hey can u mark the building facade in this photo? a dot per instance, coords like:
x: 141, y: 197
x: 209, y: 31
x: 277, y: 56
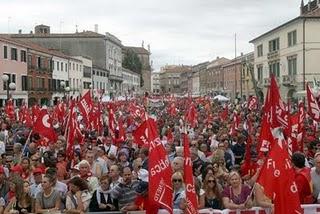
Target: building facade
x: 291, y: 52
x: 231, y: 78
x: 40, y: 83
x: 114, y: 63
x: 60, y: 76
x: 131, y: 82
x: 100, y: 83
x: 170, y: 78
x: 104, y: 50
x: 144, y: 56
x: 196, y: 70
x: 84, y: 75
x: 13, y: 62
x: 155, y: 83
x: 248, y: 86
x: 211, y: 81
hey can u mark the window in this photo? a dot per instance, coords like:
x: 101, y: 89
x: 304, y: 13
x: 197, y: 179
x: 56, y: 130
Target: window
x: 5, y: 52
x: 29, y: 60
x: 39, y: 62
x: 274, y: 68
x: 66, y: 67
x: 24, y: 83
x: 292, y: 38
x: 14, y: 54
x: 292, y: 66
x: 61, y: 66
x: 50, y: 84
x: 13, y: 78
x: 30, y: 83
x: 23, y: 56
x: 274, y: 45
x: 72, y: 66
x: 58, y: 65
x: 52, y: 65
x: 77, y: 67
x: 54, y: 84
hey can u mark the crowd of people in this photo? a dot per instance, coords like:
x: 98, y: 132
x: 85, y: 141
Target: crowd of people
x: 102, y: 174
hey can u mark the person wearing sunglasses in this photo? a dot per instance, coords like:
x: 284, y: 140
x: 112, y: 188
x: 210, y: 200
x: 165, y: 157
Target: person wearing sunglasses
x: 212, y: 193
x: 178, y: 191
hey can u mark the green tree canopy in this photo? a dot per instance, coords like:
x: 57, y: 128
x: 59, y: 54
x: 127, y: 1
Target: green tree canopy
x: 132, y: 62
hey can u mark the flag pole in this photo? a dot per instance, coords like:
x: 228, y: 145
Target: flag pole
x: 27, y: 142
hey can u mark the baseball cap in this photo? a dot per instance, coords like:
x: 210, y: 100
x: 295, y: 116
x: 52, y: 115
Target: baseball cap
x: 37, y: 170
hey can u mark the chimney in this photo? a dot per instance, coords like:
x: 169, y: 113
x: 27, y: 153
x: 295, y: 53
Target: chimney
x: 217, y: 57
x: 20, y: 31
x: 241, y: 53
x: 96, y: 30
x: 31, y: 32
x: 309, y: 6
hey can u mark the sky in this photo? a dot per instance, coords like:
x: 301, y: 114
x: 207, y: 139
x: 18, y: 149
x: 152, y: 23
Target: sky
x: 184, y: 32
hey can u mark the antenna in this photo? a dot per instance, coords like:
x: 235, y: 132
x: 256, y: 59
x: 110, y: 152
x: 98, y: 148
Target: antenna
x: 76, y: 28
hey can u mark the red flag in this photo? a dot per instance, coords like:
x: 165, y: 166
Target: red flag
x: 265, y: 139
x: 85, y: 106
x: 253, y: 103
x: 191, y: 115
x: 160, y: 172
x: 140, y: 135
x: 275, y: 108
x: 191, y: 196
x: 43, y: 125
x: 224, y: 113
x: 171, y: 109
x: 35, y: 112
x: 301, y: 129
x: 9, y: 110
x: 313, y: 107
x: 235, y: 124
x: 112, y: 121
x: 277, y: 177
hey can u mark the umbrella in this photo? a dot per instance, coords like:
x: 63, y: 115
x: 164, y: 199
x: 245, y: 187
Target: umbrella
x: 221, y: 98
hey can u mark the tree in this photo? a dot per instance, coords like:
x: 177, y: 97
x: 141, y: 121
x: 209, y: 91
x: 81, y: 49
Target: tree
x: 132, y: 62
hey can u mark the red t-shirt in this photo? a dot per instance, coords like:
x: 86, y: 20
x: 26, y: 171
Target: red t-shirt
x: 303, y: 185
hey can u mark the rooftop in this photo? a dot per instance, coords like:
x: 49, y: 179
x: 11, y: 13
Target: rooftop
x: 137, y: 50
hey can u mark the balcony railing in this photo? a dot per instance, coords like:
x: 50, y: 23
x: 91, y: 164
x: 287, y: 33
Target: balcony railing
x: 273, y: 55
x: 289, y: 80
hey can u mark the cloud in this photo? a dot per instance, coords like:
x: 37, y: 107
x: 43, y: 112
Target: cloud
x: 179, y: 31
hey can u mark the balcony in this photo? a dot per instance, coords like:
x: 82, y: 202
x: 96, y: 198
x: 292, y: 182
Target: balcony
x: 289, y: 80
x: 273, y: 55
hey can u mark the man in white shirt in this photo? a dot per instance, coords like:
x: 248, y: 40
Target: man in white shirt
x: 315, y: 176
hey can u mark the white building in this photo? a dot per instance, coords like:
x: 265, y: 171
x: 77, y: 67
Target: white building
x: 60, y: 75
x: 75, y: 76
x: 114, y: 63
x: 155, y: 83
x: 131, y: 82
x: 291, y: 51
x: 100, y: 82
x: 85, y: 83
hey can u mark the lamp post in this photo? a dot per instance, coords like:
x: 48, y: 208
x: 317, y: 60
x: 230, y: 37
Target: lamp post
x: 9, y: 86
x: 67, y: 90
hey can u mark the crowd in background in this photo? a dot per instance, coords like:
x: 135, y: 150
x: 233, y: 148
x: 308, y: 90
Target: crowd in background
x: 103, y: 174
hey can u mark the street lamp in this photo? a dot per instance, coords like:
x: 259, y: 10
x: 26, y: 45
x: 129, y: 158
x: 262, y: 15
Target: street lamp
x: 9, y: 86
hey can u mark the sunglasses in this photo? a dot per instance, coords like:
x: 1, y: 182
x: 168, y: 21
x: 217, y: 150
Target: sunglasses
x: 192, y: 145
x: 34, y: 159
x: 211, y: 181
x: 139, y: 167
x: 177, y: 180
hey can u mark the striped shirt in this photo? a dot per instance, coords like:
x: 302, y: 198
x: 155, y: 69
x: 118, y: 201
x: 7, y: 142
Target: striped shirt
x: 125, y: 193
